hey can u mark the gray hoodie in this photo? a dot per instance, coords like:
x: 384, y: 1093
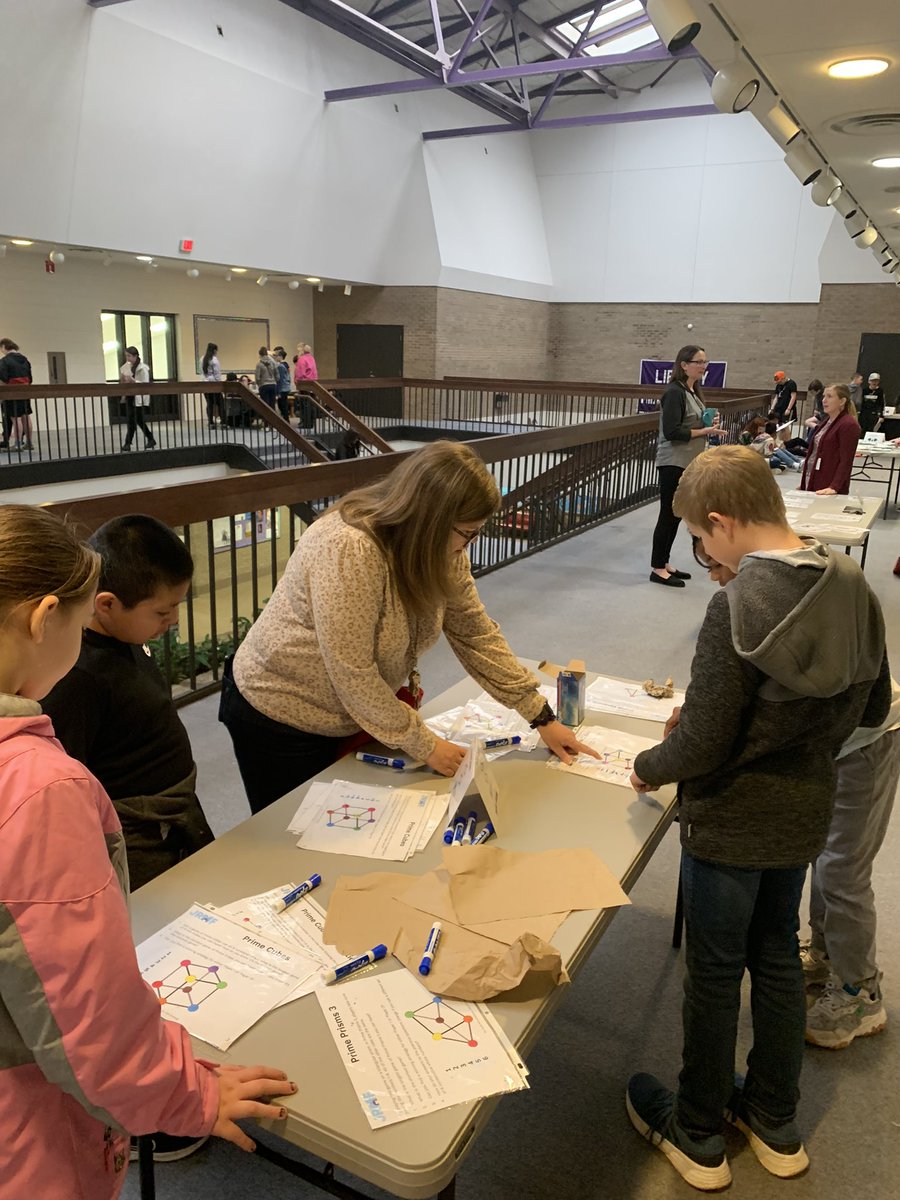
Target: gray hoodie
x: 789, y: 660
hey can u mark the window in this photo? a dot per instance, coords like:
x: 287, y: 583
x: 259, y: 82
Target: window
x: 618, y: 28
x: 152, y: 333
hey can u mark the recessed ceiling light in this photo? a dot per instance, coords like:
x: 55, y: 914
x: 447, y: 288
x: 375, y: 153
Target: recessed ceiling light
x: 238, y: 270
x: 892, y: 161
x: 857, y: 68
x: 313, y: 279
x: 21, y: 242
x: 144, y: 257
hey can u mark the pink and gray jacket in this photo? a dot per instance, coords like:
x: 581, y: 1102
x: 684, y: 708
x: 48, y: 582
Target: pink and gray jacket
x: 85, y: 1057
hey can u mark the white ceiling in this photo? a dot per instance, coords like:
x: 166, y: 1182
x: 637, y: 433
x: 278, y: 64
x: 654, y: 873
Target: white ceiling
x: 794, y: 42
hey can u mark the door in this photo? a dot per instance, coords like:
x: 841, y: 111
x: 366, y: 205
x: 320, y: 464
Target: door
x: 881, y: 352
x: 371, y: 352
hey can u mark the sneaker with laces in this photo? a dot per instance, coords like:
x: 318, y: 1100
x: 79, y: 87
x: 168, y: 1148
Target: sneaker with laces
x: 816, y: 965
x: 841, y: 1014
x: 778, y: 1150
x: 651, y: 1110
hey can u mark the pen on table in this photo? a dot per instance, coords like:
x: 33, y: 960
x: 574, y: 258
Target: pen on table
x: 355, y: 964
x: 299, y: 891
x: 468, y: 833
x: 430, y: 949
x: 487, y: 832
x: 380, y: 760
x: 458, y: 830
x: 493, y: 743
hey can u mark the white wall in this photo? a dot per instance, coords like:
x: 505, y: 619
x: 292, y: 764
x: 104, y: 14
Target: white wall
x: 137, y: 124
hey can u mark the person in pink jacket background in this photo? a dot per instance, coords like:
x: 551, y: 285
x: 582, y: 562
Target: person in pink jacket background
x: 85, y: 1056
x: 305, y: 370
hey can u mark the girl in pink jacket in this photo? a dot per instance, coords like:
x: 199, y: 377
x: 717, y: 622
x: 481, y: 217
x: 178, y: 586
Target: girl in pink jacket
x: 85, y: 1057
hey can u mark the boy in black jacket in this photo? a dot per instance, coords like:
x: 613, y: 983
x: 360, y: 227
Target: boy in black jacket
x: 771, y: 700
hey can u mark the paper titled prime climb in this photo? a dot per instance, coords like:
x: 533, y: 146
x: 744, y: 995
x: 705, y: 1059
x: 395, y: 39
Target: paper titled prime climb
x: 367, y: 821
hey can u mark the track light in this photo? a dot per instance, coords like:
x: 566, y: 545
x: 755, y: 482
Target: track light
x: 675, y: 22
x: 867, y: 237
x: 262, y: 280
x: 889, y: 265
x: 294, y: 284
x: 803, y: 161
x: 780, y: 126
x: 826, y: 189
x: 736, y: 86
x: 321, y: 287
x: 863, y: 233
x: 228, y: 277
x: 107, y: 260
x: 845, y: 204
x: 347, y: 289
x: 2, y: 249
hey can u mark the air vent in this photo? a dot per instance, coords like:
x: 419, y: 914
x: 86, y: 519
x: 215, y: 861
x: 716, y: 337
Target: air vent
x: 868, y: 124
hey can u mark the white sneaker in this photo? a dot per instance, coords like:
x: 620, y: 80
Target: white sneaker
x: 839, y: 1016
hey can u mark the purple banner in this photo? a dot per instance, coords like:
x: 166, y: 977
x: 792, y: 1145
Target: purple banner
x: 657, y: 371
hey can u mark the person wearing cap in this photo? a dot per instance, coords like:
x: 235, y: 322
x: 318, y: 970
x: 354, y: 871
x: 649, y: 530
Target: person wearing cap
x: 871, y: 411
x: 785, y: 399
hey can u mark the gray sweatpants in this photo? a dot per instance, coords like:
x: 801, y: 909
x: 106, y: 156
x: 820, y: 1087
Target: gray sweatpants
x: 842, y: 903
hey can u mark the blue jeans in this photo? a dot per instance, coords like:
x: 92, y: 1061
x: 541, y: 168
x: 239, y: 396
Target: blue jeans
x: 784, y: 458
x: 737, y: 920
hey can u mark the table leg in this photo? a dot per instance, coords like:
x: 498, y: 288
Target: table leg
x: 449, y: 1192
x: 145, y: 1167
x: 865, y: 550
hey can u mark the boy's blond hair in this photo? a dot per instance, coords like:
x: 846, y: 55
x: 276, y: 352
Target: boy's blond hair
x: 734, y: 481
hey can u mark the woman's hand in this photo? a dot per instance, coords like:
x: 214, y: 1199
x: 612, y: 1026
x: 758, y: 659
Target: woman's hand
x: 826, y: 492
x: 445, y: 757
x: 563, y: 742
x: 238, y: 1089
x: 705, y: 431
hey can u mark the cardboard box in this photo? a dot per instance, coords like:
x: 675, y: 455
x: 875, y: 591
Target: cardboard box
x: 570, y: 687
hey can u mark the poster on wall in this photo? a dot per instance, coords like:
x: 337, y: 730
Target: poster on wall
x: 656, y: 371
x: 243, y: 529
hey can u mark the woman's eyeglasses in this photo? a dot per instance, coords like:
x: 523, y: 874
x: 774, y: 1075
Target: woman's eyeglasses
x: 700, y: 555
x: 468, y: 535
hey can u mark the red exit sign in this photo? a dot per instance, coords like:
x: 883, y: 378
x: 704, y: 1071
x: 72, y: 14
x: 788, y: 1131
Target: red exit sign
x: 186, y: 245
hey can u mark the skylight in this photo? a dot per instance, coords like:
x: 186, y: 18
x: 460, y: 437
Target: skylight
x: 618, y: 28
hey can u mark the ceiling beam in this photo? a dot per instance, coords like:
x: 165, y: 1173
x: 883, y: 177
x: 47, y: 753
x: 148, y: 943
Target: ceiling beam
x: 619, y: 118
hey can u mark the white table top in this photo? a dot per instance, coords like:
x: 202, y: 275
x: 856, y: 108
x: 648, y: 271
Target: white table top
x: 415, y: 1158
x: 824, y: 517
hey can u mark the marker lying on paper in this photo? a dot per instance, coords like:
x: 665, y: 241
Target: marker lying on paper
x: 459, y: 829
x: 493, y: 743
x: 299, y: 891
x: 355, y: 964
x: 469, y: 832
x: 379, y: 760
x: 487, y: 832
x: 430, y: 949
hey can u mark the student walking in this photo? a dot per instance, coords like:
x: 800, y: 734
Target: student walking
x: 135, y: 371
x: 212, y: 373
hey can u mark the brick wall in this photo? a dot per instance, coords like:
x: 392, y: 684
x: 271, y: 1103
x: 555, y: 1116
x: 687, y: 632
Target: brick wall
x: 449, y: 332
x: 845, y: 311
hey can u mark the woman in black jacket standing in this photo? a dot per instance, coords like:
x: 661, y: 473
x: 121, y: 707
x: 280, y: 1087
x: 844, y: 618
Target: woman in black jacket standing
x: 682, y: 436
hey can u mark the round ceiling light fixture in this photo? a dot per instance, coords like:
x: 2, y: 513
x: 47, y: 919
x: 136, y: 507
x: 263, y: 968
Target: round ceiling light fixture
x: 735, y: 87
x: 675, y: 22
x: 20, y: 242
x: 857, y: 68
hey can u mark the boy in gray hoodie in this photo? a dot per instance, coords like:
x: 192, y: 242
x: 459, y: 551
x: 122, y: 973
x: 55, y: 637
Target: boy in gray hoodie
x: 770, y: 702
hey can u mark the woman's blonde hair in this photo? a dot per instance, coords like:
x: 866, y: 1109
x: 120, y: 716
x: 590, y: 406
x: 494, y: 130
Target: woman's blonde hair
x: 732, y: 480
x: 412, y: 512
x: 841, y: 390
x: 303, y: 348
x: 40, y: 555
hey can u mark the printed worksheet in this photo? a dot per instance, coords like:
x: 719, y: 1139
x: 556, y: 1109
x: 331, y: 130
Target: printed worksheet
x: 370, y: 822
x: 312, y: 805
x: 798, y: 499
x: 628, y: 698
x: 217, y: 977
x: 409, y: 1052
x: 617, y: 754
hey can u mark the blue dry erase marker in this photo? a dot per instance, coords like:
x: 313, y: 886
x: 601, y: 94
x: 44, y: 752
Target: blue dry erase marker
x: 487, y: 832
x: 448, y: 832
x: 280, y: 905
x: 430, y: 948
x: 355, y: 964
x: 379, y: 760
x: 493, y: 743
x: 469, y: 830
x: 459, y: 829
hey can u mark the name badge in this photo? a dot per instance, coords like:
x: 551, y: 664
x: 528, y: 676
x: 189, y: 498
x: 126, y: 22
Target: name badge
x: 818, y: 464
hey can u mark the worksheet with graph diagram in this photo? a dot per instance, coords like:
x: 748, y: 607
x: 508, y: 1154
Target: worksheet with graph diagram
x: 617, y: 754
x: 371, y: 822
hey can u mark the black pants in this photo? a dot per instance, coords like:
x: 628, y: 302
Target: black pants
x: 268, y: 393
x: 213, y: 402
x: 272, y: 758
x: 284, y: 406
x: 666, y: 523
x: 136, y: 417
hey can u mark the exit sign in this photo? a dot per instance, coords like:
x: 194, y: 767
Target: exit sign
x: 186, y: 245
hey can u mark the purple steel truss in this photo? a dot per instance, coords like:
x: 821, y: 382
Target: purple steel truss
x: 502, y: 88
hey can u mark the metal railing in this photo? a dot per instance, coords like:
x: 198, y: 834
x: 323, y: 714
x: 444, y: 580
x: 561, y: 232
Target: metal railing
x: 479, y: 407
x: 554, y: 482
